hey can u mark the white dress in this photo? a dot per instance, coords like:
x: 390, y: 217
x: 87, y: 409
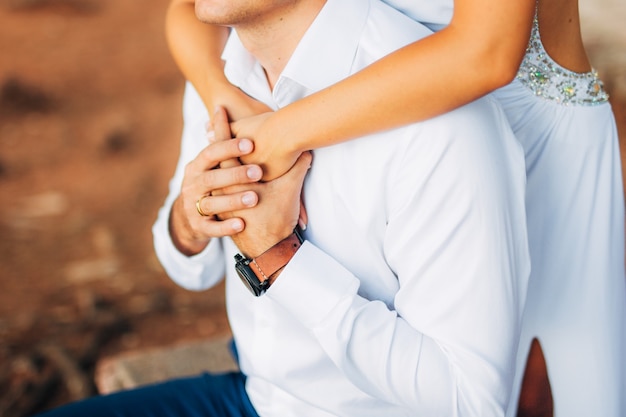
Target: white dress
x: 576, y: 303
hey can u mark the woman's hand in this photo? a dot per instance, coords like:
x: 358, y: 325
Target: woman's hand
x: 248, y: 119
x: 273, y: 156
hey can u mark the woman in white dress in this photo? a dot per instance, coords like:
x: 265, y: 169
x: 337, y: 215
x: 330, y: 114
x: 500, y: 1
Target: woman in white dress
x: 575, y: 302
x: 559, y: 110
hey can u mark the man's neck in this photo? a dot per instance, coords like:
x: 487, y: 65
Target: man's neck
x: 273, y: 41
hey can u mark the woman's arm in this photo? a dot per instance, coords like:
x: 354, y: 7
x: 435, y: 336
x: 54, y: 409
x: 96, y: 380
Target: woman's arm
x: 196, y: 48
x: 479, y: 51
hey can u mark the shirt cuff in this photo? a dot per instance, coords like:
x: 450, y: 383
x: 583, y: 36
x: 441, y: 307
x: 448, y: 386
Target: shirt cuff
x: 312, y: 285
x: 197, y: 272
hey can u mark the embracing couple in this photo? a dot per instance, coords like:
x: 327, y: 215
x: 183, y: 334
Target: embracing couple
x: 393, y: 251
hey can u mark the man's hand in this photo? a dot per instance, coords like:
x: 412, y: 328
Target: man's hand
x: 277, y: 213
x: 279, y: 206
x: 193, y: 220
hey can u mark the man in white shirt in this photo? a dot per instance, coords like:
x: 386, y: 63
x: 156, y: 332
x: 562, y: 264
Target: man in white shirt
x: 405, y: 296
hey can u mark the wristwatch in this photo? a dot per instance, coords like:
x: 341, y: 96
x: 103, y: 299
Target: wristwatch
x: 258, y: 273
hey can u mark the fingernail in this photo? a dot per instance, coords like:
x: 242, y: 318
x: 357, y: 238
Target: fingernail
x: 210, y: 136
x: 248, y: 199
x: 245, y: 145
x: 302, y: 224
x: 254, y: 172
x: 237, y: 226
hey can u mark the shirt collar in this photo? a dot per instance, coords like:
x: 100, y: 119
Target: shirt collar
x: 324, y: 55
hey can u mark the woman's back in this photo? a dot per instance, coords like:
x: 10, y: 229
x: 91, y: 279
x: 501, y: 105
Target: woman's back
x: 559, y: 21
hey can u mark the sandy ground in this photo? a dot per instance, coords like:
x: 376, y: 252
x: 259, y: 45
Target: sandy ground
x: 89, y: 130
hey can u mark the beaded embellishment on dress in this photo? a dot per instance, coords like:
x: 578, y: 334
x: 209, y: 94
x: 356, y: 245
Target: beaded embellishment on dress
x: 547, y: 79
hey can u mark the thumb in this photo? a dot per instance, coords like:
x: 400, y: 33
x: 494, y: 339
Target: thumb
x: 302, y: 165
x: 298, y: 172
x: 303, y: 219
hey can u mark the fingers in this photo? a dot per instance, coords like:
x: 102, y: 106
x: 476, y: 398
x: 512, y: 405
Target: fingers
x: 210, y: 217
x: 204, y: 210
x: 221, y: 127
x: 215, y: 179
x: 221, y: 228
x: 221, y: 130
x: 211, y: 156
x: 210, y: 205
x: 203, y: 215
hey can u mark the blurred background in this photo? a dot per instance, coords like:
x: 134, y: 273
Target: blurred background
x: 90, y: 124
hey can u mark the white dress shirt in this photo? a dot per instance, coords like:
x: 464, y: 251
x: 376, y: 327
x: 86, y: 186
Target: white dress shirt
x: 436, y: 14
x: 406, y: 297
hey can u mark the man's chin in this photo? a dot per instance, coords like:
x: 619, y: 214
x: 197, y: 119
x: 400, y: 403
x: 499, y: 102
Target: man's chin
x: 209, y: 11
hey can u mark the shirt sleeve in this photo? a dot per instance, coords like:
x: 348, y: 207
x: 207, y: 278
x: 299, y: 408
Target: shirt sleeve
x: 456, y: 241
x: 206, y: 268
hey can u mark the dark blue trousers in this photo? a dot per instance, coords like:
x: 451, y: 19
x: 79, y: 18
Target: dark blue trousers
x: 207, y: 395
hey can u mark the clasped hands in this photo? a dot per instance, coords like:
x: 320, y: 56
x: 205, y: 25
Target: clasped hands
x: 254, y: 120
x: 234, y: 202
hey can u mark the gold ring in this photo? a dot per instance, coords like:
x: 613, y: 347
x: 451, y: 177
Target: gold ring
x: 200, y: 212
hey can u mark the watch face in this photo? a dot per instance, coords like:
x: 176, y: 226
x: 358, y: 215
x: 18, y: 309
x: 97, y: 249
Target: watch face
x: 247, y: 276
x: 246, y: 280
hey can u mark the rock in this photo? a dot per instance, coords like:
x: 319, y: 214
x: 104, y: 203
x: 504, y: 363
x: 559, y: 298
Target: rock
x: 137, y: 368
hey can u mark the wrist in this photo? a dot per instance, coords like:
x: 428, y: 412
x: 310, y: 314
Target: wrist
x: 252, y: 245
x: 215, y: 89
x: 259, y: 273
x: 283, y: 126
x: 278, y: 256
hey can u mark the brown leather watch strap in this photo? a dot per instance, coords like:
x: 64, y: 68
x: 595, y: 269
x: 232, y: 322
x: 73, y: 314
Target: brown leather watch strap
x: 276, y: 257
